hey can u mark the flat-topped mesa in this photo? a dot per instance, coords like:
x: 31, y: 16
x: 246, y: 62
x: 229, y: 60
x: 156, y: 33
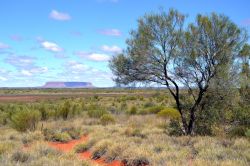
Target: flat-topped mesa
x: 68, y: 85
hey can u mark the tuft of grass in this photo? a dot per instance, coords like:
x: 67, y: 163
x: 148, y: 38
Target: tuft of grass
x: 107, y: 119
x: 20, y: 156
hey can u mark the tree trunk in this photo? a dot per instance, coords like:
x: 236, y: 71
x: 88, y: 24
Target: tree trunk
x: 191, y: 124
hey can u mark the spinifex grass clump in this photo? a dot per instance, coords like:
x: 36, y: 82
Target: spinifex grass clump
x: 24, y: 120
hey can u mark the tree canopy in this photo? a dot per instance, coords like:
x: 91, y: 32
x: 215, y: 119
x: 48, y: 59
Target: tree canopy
x: 161, y: 50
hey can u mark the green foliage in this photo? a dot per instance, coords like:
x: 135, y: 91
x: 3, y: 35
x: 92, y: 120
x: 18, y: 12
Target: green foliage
x: 155, y: 109
x: 149, y: 104
x: 97, y: 113
x: 241, y: 115
x: 238, y: 131
x: 175, y: 128
x: 170, y: 113
x: 44, y: 113
x: 132, y: 111
x: 107, y: 119
x: 206, y: 120
x: 61, y: 137
x: 25, y: 120
x: 64, y: 111
x: 4, y: 116
x: 247, y: 133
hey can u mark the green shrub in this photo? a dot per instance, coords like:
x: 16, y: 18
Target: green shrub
x: 170, y: 113
x: 206, y: 120
x: 63, y: 135
x: 96, y: 113
x: 175, y: 128
x: 133, y: 110
x: 149, y: 104
x: 3, y: 118
x: 155, y: 109
x: 247, y: 133
x: 241, y: 115
x: 44, y: 113
x: 25, y: 120
x: 238, y: 131
x: 107, y: 119
x: 65, y: 109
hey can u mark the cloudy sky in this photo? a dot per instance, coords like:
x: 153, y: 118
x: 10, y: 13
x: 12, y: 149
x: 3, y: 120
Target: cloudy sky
x: 72, y: 40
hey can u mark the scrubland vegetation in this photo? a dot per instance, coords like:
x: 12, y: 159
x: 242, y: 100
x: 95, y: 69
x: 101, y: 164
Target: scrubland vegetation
x: 202, y: 117
x: 131, y: 128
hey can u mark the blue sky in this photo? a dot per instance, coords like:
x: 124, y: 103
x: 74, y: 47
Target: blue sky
x: 72, y: 40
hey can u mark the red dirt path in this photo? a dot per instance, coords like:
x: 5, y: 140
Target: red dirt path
x: 69, y: 146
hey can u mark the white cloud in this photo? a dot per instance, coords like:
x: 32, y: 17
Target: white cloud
x: 54, y: 14
x: 77, y: 67
x: 37, y: 70
x: 4, y: 46
x: 93, y: 56
x: 111, y: 32
x: 111, y: 49
x: 26, y: 73
x: 3, y: 78
x: 50, y: 46
x: 98, y: 57
x: 20, y: 62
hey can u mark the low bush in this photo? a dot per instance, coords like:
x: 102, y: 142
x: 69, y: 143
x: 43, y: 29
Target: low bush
x: 238, y: 131
x: 132, y: 111
x: 65, y: 110
x: 25, y: 120
x: 98, y: 113
x: 44, y: 113
x: 63, y: 135
x: 155, y: 109
x: 4, y: 116
x: 107, y: 119
x: 148, y: 104
x: 174, y: 128
x: 170, y: 113
x: 247, y: 133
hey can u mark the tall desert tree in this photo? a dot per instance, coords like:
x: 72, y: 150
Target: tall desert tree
x: 159, y: 51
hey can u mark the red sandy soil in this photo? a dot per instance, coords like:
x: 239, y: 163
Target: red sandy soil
x: 69, y: 146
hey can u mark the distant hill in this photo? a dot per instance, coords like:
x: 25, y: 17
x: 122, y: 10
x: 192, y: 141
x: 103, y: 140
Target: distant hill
x: 68, y: 85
